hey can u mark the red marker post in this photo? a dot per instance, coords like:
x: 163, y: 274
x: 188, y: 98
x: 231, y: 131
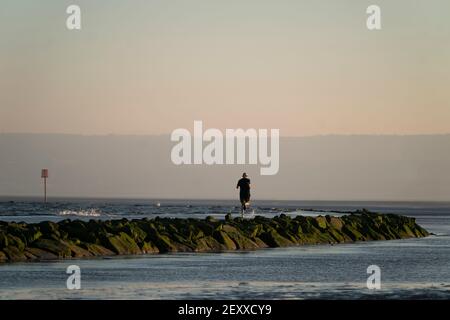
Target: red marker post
x: 44, y: 175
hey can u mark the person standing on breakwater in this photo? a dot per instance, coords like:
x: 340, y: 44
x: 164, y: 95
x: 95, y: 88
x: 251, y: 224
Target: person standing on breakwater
x: 244, y: 192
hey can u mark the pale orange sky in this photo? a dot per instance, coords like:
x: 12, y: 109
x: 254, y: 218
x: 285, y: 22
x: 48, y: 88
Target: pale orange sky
x: 149, y: 67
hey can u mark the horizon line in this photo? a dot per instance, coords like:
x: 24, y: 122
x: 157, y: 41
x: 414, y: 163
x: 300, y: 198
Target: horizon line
x: 281, y: 136
x: 159, y: 199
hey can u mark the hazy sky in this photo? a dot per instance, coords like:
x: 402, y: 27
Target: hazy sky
x: 148, y: 67
x: 412, y: 168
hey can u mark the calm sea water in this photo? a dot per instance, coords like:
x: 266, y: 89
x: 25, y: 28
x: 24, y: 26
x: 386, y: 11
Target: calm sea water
x: 410, y: 268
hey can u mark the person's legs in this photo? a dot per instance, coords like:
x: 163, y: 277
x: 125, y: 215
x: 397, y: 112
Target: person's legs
x: 243, y: 204
x: 244, y: 197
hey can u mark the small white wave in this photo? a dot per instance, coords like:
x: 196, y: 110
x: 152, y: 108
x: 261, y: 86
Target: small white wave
x: 81, y: 213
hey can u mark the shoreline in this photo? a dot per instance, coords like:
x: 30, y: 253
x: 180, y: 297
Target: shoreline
x: 73, y: 239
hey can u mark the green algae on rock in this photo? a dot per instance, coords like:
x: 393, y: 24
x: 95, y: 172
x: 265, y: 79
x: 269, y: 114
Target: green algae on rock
x: 80, y: 239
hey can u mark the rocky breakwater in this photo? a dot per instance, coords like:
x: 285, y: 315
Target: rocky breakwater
x: 80, y: 239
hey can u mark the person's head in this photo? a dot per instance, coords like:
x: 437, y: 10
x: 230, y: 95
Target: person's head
x: 244, y: 175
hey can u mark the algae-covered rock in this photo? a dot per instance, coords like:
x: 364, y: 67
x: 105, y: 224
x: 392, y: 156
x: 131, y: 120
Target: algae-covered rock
x: 3, y: 240
x: 137, y: 234
x: 49, y: 229
x: 14, y: 254
x: 338, y: 236
x: 321, y: 222
x: 335, y: 222
x: 40, y: 254
x: 208, y: 243
x: 79, y: 230
x: 211, y: 219
x: 58, y: 247
x: 353, y: 233
x: 79, y: 239
x: 15, y: 242
x: 97, y: 250
x: 121, y: 244
x: 225, y: 240
x: 3, y: 257
x: 148, y: 247
x: 78, y: 252
x: 273, y: 239
x: 32, y: 234
x: 164, y: 243
x: 179, y: 246
x: 241, y: 241
x: 61, y: 248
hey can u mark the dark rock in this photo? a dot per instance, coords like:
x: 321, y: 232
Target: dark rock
x: 14, y: 254
x: 58, y: 247
x: 137, y: 234
x: 41, y: 254
x: 49, y: 229
x: 121, y: 244
x: 208, y: 243
x: 240, y: 240
x: 273, y: 239
x: 3, y: 257
x: 78, y: 229
x: 225, y: 240
x: 3, y: 240
x: 97, y: 250
x: 32, y: 234
x: 67, y: 239
x: 15, y: 242
x: 148, y: 247
x: 211, y: 219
